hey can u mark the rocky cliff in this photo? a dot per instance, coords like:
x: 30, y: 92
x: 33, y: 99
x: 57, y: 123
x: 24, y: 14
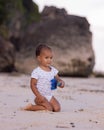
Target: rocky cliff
x: 68, y: 35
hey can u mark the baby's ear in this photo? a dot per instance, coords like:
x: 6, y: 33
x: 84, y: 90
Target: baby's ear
x: 38, y: 58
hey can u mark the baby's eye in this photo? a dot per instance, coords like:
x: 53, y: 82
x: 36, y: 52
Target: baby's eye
x: 51, y: 57
x: 46, y: 57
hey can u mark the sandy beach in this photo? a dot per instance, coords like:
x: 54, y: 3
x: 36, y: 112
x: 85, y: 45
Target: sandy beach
x: 82, y: 102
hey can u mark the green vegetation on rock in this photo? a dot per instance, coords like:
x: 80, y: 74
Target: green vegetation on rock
x: 24, y: 11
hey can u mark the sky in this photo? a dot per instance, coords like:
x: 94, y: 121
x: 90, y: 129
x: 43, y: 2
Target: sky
x: 93, y: 10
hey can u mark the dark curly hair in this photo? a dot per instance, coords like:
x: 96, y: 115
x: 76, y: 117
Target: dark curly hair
x: 40, y: 47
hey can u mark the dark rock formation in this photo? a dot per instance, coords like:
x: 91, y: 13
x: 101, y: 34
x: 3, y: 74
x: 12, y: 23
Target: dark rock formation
x: 7, y: 56
x: 68, y: 35
x: 15, y: 17
x: 70, y: 38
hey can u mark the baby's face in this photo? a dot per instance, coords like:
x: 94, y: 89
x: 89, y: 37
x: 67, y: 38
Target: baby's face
x: 45, y: 58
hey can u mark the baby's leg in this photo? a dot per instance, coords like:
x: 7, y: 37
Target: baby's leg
x: 55, y: 104
x: 46, y: 104
x: 31, y: 107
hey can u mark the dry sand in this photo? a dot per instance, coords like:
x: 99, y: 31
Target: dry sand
x: 82, y: 102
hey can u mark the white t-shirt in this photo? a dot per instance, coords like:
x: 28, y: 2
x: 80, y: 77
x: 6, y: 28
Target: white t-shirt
x: 44, y: 80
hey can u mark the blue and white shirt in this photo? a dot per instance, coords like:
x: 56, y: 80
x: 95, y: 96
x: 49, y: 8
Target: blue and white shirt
x: 44, y: 80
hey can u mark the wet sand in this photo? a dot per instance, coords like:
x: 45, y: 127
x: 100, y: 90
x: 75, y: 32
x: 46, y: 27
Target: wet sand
x: 82, y: 102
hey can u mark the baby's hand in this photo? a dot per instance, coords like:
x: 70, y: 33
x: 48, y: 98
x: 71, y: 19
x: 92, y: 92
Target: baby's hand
x: 61, y: 84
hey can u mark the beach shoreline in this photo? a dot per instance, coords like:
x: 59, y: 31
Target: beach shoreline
x: 81, y: 100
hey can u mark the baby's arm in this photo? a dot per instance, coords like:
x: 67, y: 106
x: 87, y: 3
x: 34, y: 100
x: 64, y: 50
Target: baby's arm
x: 60, y: 81
x: 33, y: 84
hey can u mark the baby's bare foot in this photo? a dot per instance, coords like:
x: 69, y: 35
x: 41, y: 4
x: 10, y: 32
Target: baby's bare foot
x: 28, y: 107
